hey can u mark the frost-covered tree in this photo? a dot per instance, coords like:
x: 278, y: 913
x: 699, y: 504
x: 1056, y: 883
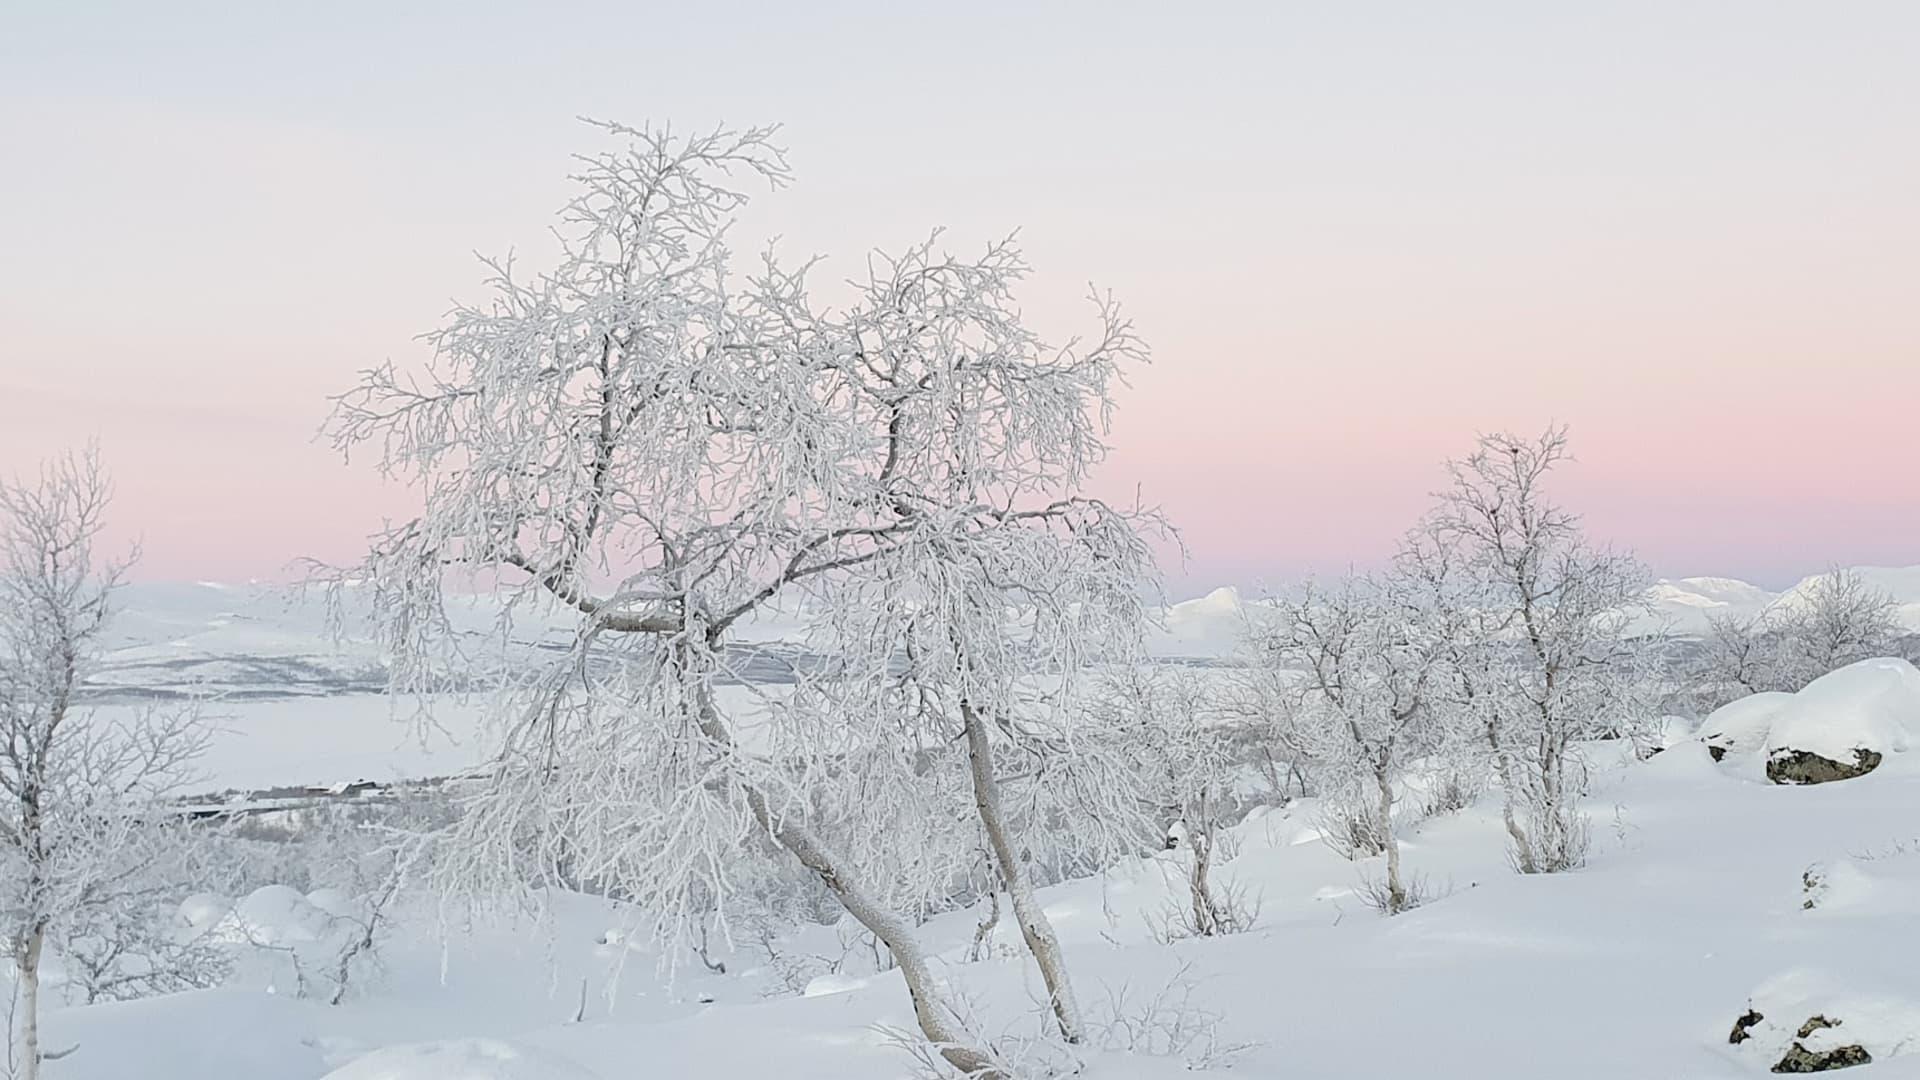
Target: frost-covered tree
x: 1185, y: 749
x: 1558, y: 664
x: 1739, y: 655
x: 1836, y: 619
x: 1840, y: 619
x: 76, y: 788
x: 1371, y: 663
x: 667, y: 451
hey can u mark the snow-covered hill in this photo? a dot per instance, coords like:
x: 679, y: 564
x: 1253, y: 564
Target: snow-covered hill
x: 1690, y: 602
x: 1207, y: 626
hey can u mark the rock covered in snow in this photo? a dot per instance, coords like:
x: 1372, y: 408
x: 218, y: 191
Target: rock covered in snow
x: 1842, y: 724
x: 1805, y: 1021
x: 1740, y: 727
x: 1806, y: 767
x: 1800, y: 1059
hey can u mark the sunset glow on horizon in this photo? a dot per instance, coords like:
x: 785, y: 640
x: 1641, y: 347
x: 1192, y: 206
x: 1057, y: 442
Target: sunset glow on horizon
x: 1691, y: 233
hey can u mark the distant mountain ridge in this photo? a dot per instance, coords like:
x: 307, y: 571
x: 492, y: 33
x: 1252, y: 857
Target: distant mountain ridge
x: 266, y: 641
x: 1209, y: 625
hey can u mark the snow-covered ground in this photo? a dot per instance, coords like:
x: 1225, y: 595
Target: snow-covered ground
x: 1710, y: 892
x: 1711, y: 896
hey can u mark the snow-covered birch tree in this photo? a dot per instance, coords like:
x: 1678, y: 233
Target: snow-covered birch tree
x: 1559, y: 664
x: 76, y: 789
x: 1370, y: 664
x: 666, y: 452
x: 1180, y: 734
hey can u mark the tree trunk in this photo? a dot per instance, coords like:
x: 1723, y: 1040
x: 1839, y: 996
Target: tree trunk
x: 935, y: 1017
x: 1503, y: 765
x: 28, y: 969
x: 1396, y: 892
x: 1206, y: 921
x: 983, y: 933
x: 1034, y: 924
x: 932, y: 1013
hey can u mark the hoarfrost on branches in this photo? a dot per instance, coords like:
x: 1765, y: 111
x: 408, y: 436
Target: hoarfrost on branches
x: 669, y: 451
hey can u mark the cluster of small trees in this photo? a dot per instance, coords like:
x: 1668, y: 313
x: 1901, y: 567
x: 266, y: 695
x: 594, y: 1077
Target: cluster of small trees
x: 664, y: 452
x: 667, y: 451
x: 1498, y: 641
x: 1837, y: 619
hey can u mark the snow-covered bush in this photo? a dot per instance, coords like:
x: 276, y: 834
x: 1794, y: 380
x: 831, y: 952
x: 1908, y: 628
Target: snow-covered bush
x: 139, y: 946
x: 302, y: 900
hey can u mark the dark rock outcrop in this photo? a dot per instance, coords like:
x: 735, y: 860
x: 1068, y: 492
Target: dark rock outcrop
x: 1799, y: 1059
x: 1786, y: 766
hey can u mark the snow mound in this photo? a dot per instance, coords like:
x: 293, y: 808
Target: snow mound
x: 1872, y: 705
x: 1883, y: 1023
x: 1839, y: 885
x: 336, y: 904
x: 1741, y: 727
x: 1207, y: 627
x: 278, y: 915
x: 203, y: 911
x: 833, y: 983
x: 461, y: 1059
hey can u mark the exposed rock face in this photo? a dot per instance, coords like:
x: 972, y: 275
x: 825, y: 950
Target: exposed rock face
x: 1741, y: 1027
x: 1798, y: 1059
x: 1785, y: 766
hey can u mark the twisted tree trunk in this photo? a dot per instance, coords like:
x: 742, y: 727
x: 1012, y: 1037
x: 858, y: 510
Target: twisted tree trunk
x: 1035, y: 927
x: 936, y: 1019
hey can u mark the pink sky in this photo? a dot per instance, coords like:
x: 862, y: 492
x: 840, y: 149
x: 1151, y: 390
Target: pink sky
x: 1691, y: 232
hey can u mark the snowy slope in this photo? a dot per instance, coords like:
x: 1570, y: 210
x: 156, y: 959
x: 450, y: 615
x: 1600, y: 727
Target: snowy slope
x: 1693, y: 908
